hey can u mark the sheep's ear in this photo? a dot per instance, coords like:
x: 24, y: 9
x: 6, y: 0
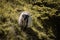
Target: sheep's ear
x: 30, y: 22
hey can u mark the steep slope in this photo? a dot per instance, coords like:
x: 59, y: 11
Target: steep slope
x: 45, y: 19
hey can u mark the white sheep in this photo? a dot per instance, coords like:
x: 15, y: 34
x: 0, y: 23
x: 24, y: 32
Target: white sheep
x: 25, y: 19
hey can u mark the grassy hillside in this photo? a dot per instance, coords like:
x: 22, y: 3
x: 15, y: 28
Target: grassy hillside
x: 45, y: 19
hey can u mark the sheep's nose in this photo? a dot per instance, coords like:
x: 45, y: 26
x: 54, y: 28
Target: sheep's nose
x: 25, y: 17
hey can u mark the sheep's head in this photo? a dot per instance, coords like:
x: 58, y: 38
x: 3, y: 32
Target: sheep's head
x: 25, y: 19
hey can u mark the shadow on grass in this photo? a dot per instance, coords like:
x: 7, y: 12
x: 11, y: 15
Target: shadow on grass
x: 31, y: 34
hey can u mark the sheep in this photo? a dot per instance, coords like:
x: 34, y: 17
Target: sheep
x: 24, y: 20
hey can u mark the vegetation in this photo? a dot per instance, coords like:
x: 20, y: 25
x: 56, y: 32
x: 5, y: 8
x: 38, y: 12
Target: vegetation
x: 45, y: 19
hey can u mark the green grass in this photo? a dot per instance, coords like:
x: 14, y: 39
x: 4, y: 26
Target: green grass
x: 43, y: 23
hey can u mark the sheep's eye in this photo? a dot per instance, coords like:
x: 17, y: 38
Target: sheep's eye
x: 22, y: 15
x: 25, y: 16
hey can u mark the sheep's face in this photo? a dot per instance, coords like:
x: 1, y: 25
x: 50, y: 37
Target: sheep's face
x: 25, y: 16
x: 25, y: 19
